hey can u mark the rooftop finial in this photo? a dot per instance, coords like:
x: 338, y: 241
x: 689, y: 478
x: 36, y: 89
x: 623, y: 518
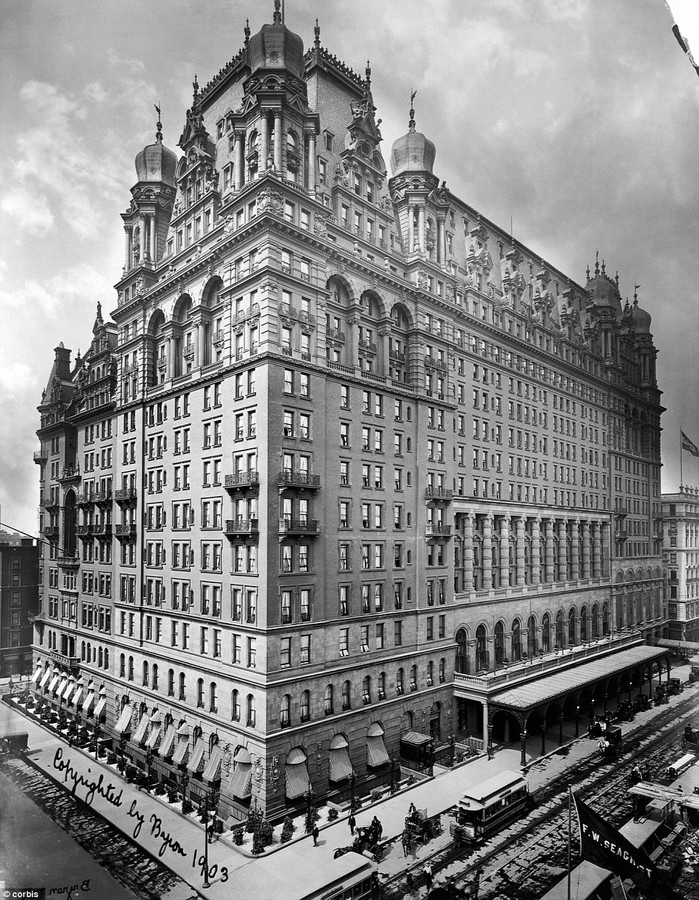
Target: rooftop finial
x: 604, y: 271
x: 635, y: 294
x: 159, y: 125
x: 277, y: 18
x: 411, y: 123
x: 316, y: 32
x: 246, y: 32
x: 596, y: 263
x: 588, y: 273
x: 368, y: 76
x: 195, y: 91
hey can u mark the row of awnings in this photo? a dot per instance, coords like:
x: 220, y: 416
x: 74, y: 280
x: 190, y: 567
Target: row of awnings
x: 71, y: 690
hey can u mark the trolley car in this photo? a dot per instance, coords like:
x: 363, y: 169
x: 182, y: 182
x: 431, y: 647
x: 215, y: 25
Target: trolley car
x: 490, y: 806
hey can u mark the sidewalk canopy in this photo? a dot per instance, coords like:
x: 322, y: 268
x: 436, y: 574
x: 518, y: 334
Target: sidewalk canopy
x: 212, y: 770
x: 168, y: 741
x: 296, y: 774
x: 340, y: 765
x: 376, y: 752
x: 197, y: 756
x: 682, y: 646
x: 551, y: 687
x: 124, y: 723
x: 241, y: 782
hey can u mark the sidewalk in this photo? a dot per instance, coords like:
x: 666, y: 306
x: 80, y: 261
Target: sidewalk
x: 294, y: 869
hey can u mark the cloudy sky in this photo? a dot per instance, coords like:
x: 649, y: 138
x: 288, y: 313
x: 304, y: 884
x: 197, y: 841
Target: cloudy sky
x: 577, y: 118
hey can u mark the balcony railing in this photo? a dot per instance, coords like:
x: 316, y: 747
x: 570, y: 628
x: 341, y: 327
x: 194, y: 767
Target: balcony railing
x: 70, y: 473
x: 40, y: 455
x: 298, y: 479
x: 72, y: 662
x: 439, y: 493
x: 437, y: 529
x: 241, y: 526
x: 51, y: 531
x: 50, y: 503
x: 124, y: 495
x: 102, y: 528
x: 299, y: 526
x: 250, y: 478
x: 126, y: 530
x: 83, y: 530
x: 68, y: 561
x: 103, y: 496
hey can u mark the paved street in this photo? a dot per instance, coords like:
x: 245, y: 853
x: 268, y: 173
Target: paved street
x: 292, y: 869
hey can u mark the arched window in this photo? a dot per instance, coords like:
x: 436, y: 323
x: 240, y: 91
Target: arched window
x: 328, y: 700
x: 413, y: 678
x: 516, y: 641
x: 154, y: 677
x: 305, y: 709
x: 366, y: 689
x: 499, y: 643
x: 145, y: 674
x: 532, y: 643
x: 183, y: 687
x: 130, y: 672
x: 560, y: 636
x: 213, y: 697
x: 400, y: 684
x: 346, y: 695
x: 481, y: 649
x: 442, y: 670
x: 106, y: 659
x: 235, y: 706
x: 171, y: 682
x: 605, y: 619
x: 546, y: 633
x: 462, y: 651
x: 284, y: 711
x: 122, y: 664
x: 430, y: 673
x: 595, y: 621
x: 251, y: 712
x: 200, y: 693
x: 571, y: 628
x: 583, y: 625
x: 381, y: 686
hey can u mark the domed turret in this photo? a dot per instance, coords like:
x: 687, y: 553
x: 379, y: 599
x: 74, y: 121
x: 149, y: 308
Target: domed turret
x: 155, y: 162
x: 413, y: 152
x: 275, y: 47
x: 603, y: 290
x: 641, y: 319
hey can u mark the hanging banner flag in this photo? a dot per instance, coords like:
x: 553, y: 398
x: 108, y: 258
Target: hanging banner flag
x: 603, y: 845
x: 684, y: 44
x: 688, y: 445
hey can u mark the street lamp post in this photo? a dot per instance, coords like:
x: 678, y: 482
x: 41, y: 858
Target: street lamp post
x: 205, y: 820
x: 122, y: 754
x: 353, y: 781
x: 95, y: 738
x: 393, y: 775
x: 149, y: 763
x: 185, y: 782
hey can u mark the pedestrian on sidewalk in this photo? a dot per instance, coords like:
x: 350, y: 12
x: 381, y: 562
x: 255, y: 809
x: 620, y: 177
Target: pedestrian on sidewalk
x: 352, y: 823
x: 315, y: 834
x: 427, y: 872
x: 410, y: 883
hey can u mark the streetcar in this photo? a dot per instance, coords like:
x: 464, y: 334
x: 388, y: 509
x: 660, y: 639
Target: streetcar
x: 490, y: 806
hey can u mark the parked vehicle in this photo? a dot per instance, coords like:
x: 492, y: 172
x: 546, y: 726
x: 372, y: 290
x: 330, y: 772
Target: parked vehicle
x: 674, y: 686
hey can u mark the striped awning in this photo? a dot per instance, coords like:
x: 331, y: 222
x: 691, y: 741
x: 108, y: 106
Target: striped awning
x: 140, y: 733
x: 376, y: 754
x: 76, y: 696
x: 168, y: 741
x: 340, y: 765
x: 47, y: 675
x: 197, y: 757
x: 296, y: 772
x: 70, y: 687
x: 124, y: 722
x: 241, y: 782
x: 154, y: 734
x: 62, y: 686
x: 37, y: 675
x: 54, y: 682
x: 212, y: 770
x: 180, y: 754
x: 101, y: 703
x: 89, y: 700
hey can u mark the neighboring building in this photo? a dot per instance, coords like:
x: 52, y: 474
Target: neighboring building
x: 681, y: 557
x: 19, y: 601
x: 345, y: 438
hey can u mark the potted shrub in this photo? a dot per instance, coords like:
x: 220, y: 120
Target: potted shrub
x: 287, y: 830
x: 332, y: 814
x: 187, y: 806
x: 238, y: 836
x: 172, y: 795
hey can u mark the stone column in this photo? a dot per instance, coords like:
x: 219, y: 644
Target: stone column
x: 487, y: 552
x: 441, y: 242
x: 586, y: 549
x: 596, y: 551
x: 264, y: 143
x: 238, y: 161
x: 411, y: 228
x: 468, y: 552
x: 521, y: 521
x: 549, y: 550
x: 606, y: 548
x: 421, y: 227
x: 142, y: 237
x: 196, y: 361
x: 536, y: 556
x: 505, y: 552
x: 153, y: 238
x: 278, y: 141
x: 486, y: 726
x: 562, y: 551
x: 128, y: 262
x: 312, y: 164
x: 170, y: 361
x: 575, y: 549
x: 523, y: 747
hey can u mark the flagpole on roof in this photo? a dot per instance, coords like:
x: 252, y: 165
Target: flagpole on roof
x: 681, y: 479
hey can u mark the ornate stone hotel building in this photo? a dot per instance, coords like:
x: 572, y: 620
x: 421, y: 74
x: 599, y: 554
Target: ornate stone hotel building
x: 345, y: 456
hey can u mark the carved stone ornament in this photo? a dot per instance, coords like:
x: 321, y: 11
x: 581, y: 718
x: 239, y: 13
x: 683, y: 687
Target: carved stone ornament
x: 270, y: 201
x: 422, y: 279
x: 228, y: 224
x: 320, y: 226
x: 140, y: 285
